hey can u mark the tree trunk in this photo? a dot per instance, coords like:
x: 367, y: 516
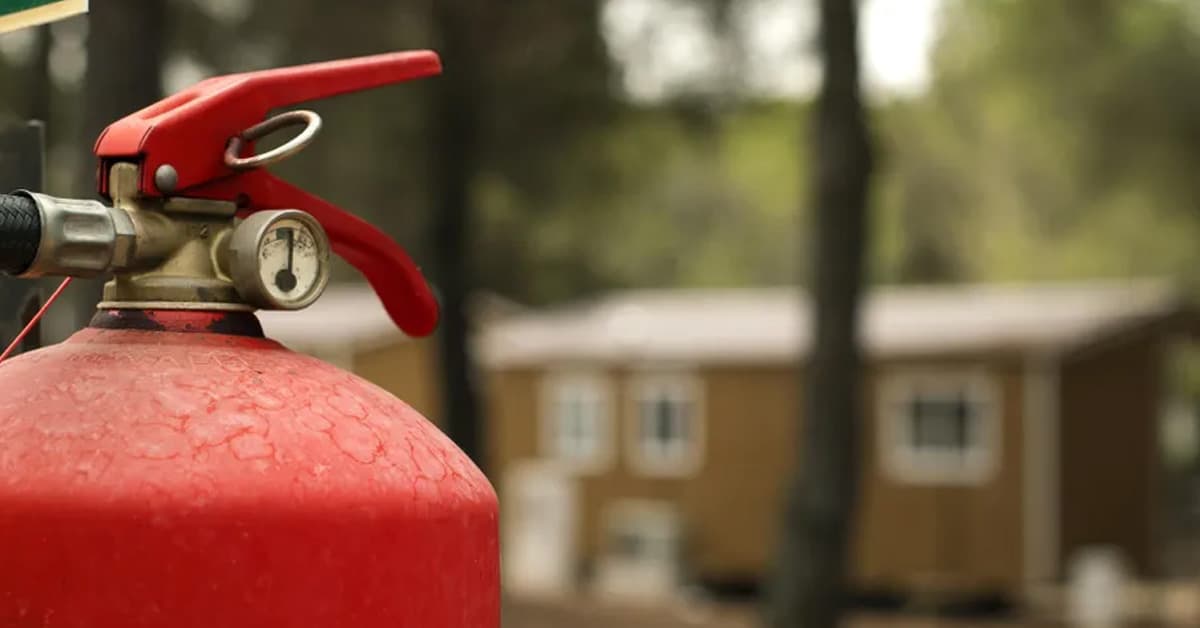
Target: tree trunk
x: 20, y: 298
x: 40, y: 86
x: 22, y: 165
x: 125, y: 50
x: 809, y: 581
x: 456, y: 160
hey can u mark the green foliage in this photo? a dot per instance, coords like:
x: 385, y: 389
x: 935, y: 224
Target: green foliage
x: 1056, y: 141
x: 675, y: 206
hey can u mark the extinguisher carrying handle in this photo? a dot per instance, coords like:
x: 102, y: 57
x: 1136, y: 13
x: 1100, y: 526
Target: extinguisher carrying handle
x: 181, y: 142
x: 20, y: 233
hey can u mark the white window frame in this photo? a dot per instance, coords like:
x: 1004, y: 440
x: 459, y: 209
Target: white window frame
x: 652, y: 573
x: 681, y: 384
x: 905, y: 463
x: 594, y: 384
x: 654, y: 521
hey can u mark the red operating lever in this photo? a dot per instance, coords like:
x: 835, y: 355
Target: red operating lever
x: 190, y: 130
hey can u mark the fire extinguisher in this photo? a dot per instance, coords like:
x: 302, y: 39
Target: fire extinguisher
x: 170, y: 466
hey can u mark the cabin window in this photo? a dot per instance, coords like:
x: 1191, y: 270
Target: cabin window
x: 939, y: 428
x: 666, y: 430
x: 639, y: 530
x: 576, y: 420
x: 642, y: 543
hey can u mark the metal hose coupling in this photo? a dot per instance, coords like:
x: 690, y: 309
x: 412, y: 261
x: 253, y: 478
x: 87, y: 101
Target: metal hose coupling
x: 82, y: 238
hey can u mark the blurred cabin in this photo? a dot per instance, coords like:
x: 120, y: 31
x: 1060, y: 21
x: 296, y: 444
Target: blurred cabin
x: 642, y: 441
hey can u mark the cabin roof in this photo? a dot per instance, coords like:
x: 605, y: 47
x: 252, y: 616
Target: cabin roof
x: 772, y: 324
x: 351, y: 315
x: 344, y: 314
x: 753, y: 324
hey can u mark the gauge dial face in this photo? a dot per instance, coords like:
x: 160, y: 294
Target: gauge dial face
x: 290, y: 261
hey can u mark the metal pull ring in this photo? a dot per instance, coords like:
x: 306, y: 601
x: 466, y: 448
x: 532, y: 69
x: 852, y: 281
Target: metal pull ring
x: 310, y: 120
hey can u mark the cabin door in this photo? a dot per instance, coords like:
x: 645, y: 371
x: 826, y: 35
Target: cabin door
x: 539, y: 530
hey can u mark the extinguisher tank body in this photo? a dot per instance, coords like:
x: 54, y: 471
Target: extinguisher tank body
x: 177, y: 469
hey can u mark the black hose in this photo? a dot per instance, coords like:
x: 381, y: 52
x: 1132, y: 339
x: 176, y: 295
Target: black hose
x: 20, y: 233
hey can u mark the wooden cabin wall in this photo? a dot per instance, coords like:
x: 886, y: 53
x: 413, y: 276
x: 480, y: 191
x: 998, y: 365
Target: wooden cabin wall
x: 730, y: 502
x: 969, y: 537
x: 907, y: 534
x: 1109, y: 414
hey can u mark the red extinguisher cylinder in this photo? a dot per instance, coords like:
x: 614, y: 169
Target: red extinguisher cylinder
x: 178, y: 469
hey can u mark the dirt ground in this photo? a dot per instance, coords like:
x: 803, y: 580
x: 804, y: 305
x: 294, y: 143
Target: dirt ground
x: 582, y: 613
x: 587, y: 613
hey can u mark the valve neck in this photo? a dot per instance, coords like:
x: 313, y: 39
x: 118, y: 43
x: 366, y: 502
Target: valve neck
x: 179, y: 321
x: 179, y: 252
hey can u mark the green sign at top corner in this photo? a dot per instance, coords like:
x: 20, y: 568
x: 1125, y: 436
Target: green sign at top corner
x: 17, y: 14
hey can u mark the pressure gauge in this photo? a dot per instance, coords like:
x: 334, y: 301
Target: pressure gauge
x: 279, y: 260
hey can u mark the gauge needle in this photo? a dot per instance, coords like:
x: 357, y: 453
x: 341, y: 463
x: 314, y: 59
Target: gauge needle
x: 285, y: 279
x: 291, y: 238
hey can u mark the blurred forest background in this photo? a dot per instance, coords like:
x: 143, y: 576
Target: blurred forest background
x: 1053, y: 140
